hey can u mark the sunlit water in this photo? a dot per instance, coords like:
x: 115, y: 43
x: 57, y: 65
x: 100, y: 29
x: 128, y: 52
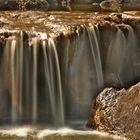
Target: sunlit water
x: 23, y: 133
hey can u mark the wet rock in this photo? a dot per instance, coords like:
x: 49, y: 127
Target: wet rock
x: 117, y: 112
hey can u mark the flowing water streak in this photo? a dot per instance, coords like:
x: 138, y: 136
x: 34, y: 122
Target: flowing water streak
x: 95, y: 50
x: 131, y: 40
x: 60, y: 107
x: 49, y: 78
x: 14, y: 95
x: 119, y: 57
x: 130, y: 61
x: 34, y: 82
x: 98, y: 57
x: 52, y: 84
x: 82, y: 79
x: 20, y: 67
x: 116, y: 54
x: 77, y: 44
x: 27, y: 83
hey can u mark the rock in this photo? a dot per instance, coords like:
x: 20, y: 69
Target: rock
x: 120, y: 5
x: 36, y: 4
x: 117, y: 112
x: 113, y: 5
x: 8, y: 4
x: 23, y: 4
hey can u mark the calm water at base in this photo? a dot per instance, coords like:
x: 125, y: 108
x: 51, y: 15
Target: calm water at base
x: 53, y: 134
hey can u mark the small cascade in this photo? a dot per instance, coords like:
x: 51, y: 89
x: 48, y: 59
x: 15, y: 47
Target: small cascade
x: 34, y: 81
x: 131, y: 41
x: 84, y: 74
x: 20, y: 72
x: 119, y: 64
x: 93, y: 34
x: 59, y: 101
x: 23, y: 61
x: 48, y: 77
x: 13, y: 61
x: 14, y: 95
x: 54, y: 81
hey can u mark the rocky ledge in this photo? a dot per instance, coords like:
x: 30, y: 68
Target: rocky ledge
x: 117, y: 112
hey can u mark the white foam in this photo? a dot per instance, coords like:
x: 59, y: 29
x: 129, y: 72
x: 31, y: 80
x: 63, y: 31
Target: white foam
x: 128, y: 15
x: 68, y: 131
x: 25, y: 131
x: 19, y: 132
x: 7, y: 30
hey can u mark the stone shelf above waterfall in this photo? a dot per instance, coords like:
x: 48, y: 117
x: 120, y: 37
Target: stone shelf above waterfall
x: 56, y: 23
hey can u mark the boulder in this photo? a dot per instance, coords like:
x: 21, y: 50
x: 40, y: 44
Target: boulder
x: 117, y: 112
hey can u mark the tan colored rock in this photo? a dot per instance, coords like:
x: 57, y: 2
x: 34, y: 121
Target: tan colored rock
x: 117, y: 112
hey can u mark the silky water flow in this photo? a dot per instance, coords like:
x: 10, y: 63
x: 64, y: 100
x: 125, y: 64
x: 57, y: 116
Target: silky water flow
x: 42, y: 84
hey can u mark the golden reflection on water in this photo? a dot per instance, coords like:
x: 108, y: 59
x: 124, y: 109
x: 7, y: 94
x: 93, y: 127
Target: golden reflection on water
x: 56, y: 137
x: 35, y: 133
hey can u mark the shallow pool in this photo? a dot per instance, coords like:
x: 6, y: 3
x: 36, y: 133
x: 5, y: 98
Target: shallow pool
x: 32, y: 133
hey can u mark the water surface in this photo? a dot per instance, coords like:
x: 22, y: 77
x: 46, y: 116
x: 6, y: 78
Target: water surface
x: 27, y: 133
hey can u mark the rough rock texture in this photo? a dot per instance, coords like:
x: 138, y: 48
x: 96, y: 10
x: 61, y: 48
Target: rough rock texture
x: 82, y: 5
x: 23, y: 4
x: 117, y: 112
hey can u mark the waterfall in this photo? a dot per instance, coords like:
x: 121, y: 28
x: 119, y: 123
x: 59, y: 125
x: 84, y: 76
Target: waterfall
x: 13, y: 82
x: 119, y: 64
x: 48, y: 76
x: 84, y: 74
x: 95, y: 49
x: 60, y: 101
x: 14, y: 49
x: 34, y: 84
x: 52, y: 72
x: 20, y: 69
x: 53, y: 80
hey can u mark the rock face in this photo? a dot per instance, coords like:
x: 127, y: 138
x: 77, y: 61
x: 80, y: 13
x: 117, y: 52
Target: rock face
x: 117, y: 112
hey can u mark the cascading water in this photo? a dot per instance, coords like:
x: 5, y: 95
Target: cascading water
x: 84, y: 76
x: 34, y: 81
x: 52, y: 72
x: 29, y: 62
x: 46, y: 85
x: 13, y: 83
x: 19, y: 83
x: 119, y: 63
x: 95, y: 49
